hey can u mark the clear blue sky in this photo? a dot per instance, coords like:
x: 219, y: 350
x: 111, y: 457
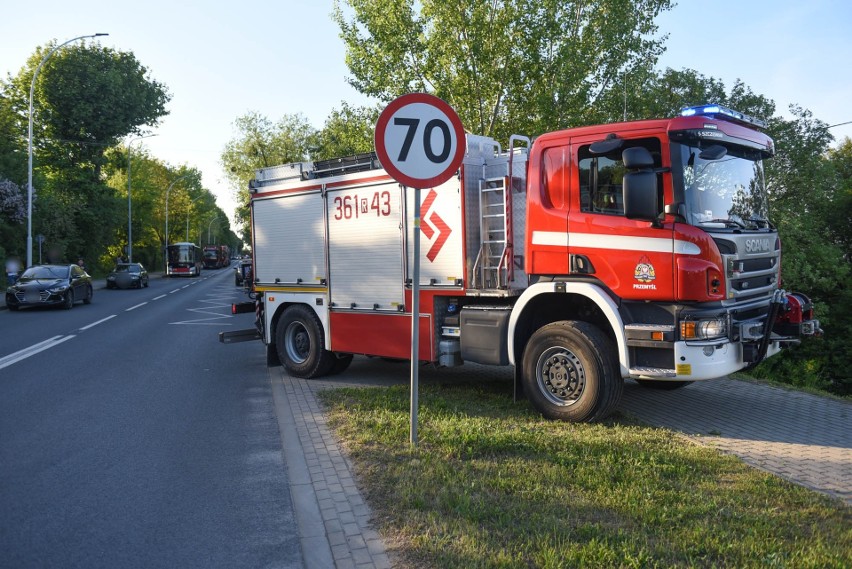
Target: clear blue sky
x: 221, y: 59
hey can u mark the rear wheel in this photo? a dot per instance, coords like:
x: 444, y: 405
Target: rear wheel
x: 570, y: 372
x: 300, y: 342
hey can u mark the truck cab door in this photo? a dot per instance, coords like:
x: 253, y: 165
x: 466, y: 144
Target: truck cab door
x: 634, y: 258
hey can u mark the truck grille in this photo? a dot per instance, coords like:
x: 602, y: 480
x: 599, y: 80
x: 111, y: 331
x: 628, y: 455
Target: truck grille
x: 749, y: 276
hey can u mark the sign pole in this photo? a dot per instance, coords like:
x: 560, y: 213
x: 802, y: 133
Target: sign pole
x: 415, y: 324
x: 420, y: 142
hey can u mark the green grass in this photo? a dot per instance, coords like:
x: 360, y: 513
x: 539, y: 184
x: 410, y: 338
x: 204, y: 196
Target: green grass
x: 491, y: 484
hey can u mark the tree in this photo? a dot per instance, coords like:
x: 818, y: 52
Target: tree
x: 86, y: 99
x: 346, y: 131
x: 505, y: 66
x: 260, y: 143
x: 839, y: 218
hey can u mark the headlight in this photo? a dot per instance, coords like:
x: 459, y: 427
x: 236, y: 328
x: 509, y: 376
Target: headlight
x: 57, y: 289
x: 705, y: 329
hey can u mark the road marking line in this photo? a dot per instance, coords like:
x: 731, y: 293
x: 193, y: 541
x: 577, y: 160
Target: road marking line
x: 159, y: 297
x: 93, y: 324
x: 135, y: 307
x: 32, y: 350
x: 185, y: 286
x: 174, y: 291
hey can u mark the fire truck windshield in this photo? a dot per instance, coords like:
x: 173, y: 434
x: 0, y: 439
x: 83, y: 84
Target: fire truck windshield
x: 722, y: 186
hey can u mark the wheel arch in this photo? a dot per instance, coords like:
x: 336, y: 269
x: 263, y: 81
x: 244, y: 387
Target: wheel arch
x: 543, y: 303
x: 276, y: 302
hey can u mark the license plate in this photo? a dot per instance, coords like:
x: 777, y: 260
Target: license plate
x: 33, y: 297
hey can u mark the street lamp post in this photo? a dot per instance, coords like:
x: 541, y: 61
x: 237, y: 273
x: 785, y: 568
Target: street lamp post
x: 30, y: 146
x: 208, y: 228
x: 129, y: 208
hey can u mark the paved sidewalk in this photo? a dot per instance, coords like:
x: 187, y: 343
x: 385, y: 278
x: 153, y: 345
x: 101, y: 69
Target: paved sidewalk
x: 804, y: 438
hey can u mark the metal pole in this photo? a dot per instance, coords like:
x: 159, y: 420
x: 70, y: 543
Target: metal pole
x: 415, y: 324
x: 129, y: 208
x: 208, y: 228
x: 30, y: 147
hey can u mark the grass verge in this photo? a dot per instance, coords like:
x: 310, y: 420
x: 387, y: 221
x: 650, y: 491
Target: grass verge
x: 494, y: 485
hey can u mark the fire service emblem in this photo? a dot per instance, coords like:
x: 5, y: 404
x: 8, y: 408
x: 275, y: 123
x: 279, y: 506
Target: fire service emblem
x: 645, y: 275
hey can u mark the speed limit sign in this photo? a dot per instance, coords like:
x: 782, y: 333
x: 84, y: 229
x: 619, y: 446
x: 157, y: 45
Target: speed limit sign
x: 420, y: 140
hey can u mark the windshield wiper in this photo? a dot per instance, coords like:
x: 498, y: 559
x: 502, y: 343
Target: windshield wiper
x: 725, y: 222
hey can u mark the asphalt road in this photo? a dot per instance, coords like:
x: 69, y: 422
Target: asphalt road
x: 130, y: 437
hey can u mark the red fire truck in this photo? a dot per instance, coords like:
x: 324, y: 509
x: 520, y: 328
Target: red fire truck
x: 637, y: 250
x: 216, y: 256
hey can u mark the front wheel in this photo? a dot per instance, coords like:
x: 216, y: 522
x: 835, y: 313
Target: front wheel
x: 300, y: 343
x: 68, y: 302
x: 89, y: 294
x: 570, y: 372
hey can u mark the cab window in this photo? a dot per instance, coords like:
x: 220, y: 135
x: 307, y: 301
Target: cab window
x: 601, y: 177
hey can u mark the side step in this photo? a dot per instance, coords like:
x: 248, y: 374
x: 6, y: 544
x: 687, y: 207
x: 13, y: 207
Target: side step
x: 650, y: 373
x: 235, y: 336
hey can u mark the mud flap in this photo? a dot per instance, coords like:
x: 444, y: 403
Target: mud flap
x: 272, y: 359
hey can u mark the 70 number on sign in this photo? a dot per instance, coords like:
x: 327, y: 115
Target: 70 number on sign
x: 412, y: 125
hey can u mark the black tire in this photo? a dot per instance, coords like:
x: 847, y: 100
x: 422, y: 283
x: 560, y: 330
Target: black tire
x: 13, y: 307
x: 146, y: 283
x: 340, y: 364
x: 89, y: 294
x: 300, y: 342
x: 68, y: 303
x: 662, y: 385
x: 570, y: 372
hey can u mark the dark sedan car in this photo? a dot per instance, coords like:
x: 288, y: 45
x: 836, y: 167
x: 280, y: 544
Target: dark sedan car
x: 127, y: 275
x: 44, y: 285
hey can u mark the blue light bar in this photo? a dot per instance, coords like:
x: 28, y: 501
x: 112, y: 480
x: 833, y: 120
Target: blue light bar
x: 713, y: 110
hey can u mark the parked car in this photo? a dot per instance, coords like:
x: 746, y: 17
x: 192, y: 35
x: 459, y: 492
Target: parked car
x: 127, y: 275
x: 44, y: 285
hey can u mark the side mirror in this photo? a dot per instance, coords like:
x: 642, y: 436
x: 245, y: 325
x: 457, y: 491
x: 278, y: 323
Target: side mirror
x: 714, y: 152
x: 640, y: 185
x: 607, y: 145
x: 640, y: 196
x: 637, y: 157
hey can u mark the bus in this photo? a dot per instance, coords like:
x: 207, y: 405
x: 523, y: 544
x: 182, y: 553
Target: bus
x: 183, y: 259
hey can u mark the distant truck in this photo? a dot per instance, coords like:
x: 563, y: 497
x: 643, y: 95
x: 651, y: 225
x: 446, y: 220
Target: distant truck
x: 638, y: 250
x: 216, y: 256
